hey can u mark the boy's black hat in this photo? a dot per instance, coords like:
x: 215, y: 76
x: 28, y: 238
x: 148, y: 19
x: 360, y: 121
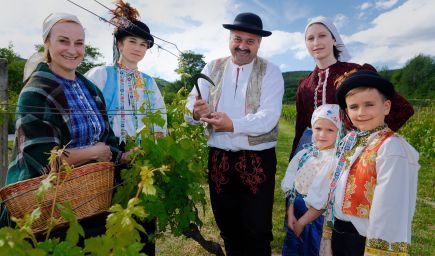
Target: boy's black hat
x: 364, y: 78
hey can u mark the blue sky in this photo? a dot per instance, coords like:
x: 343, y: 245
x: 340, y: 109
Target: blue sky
x: 385, y: 33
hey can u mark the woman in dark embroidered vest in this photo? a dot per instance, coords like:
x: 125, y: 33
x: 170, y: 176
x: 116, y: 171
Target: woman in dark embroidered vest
x: 60, y: 107
x: 330, y: 54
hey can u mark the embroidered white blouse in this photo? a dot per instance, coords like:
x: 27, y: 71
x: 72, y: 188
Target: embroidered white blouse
x: 98, y: 76
x: 394, y: 198
x: 232, y: 102
x: 303, y: 178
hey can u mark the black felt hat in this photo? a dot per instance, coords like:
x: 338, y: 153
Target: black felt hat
x: 248, y: 22
x: 364, y: 78
x: 138, y: 29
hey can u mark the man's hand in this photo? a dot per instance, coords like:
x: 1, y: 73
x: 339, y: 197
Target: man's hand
x: 219, y: 121
x: 200, y: 109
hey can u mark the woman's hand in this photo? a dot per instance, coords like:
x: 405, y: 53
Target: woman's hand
x: 298, y: 228
x: 125, y: 158
x: 291, y: 219
x: 101, y: 152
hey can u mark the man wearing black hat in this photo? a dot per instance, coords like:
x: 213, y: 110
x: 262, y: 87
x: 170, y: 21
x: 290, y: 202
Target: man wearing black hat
x: 241, y: 111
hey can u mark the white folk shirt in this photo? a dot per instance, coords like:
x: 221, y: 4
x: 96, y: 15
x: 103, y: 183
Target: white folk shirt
x: 232, y: 102
x: 303, y: 178
x: 98, y: 75
x: 394, y: 196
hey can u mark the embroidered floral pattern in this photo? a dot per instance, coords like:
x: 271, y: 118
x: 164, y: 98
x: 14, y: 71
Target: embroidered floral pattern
x: 219, y: 166
x: 256, y: 177
x: 361, y: 181
x: 376, y: 246
x: 370, y: 189
x: 400, y: 247
x: 363, y: 211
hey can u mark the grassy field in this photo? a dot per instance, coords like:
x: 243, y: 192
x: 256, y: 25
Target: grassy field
x: 423, y: 242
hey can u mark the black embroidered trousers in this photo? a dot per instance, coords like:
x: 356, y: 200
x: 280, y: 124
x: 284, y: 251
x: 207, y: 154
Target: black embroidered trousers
x: 241, y: 192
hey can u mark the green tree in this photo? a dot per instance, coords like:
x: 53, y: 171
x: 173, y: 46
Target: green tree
x: 15, y: 71
x: 15, y: 80
x: 417, y: 77
x: 92, y: 55
x: 190, y: 64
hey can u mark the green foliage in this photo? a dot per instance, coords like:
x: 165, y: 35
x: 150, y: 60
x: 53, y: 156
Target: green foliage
x: 190, y: 64
x: 15, y: 83
x: 416, y: 79
x: 169, y: 171
x: 291, y: 82
x: 419, y: 131
x: 289, y: 113
x: 12, y: 242
x: 75, y: 230
x: 15, y: 70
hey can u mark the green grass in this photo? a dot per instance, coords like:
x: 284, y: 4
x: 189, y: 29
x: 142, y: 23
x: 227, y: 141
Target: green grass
x: 283, y: 148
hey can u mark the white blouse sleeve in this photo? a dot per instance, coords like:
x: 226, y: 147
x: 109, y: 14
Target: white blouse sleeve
x: 317, y: 195
x: 289, y: 179
x: 394, y: 198
x: 204, y: 89
x: 98, y: 76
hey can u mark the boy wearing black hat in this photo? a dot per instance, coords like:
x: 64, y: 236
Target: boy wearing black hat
x: 373, y: 189
x: 242, y: 111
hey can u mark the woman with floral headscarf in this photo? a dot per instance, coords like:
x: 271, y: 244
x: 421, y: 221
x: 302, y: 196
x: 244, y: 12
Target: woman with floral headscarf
x: 325, y: 45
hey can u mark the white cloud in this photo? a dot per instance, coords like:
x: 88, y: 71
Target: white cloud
x: 191, y: 24
x: 281, y: 42
x: 365, y: 6
x: 385, y: 4
x: 340, y: 20
x: 391, y: 40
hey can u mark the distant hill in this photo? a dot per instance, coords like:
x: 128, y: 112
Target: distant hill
x: 291, y: 81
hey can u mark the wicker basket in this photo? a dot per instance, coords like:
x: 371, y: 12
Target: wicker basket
x: 88, y: 188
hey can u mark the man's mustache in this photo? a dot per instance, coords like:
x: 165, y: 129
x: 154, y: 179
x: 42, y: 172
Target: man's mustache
x: 243, y: 51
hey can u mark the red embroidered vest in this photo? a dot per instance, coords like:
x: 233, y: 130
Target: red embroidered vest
x: 361, y: 181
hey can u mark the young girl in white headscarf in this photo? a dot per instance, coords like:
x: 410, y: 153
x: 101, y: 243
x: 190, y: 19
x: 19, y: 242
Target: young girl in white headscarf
x: 325, y: 45
x: 303, y: 223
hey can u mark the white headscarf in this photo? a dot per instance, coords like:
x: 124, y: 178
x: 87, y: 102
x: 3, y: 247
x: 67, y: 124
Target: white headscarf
x: 54, y: 18
x: 330, y: 112
x: 47, y: 25
x: 327, y: 111
x: 344, y: 54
